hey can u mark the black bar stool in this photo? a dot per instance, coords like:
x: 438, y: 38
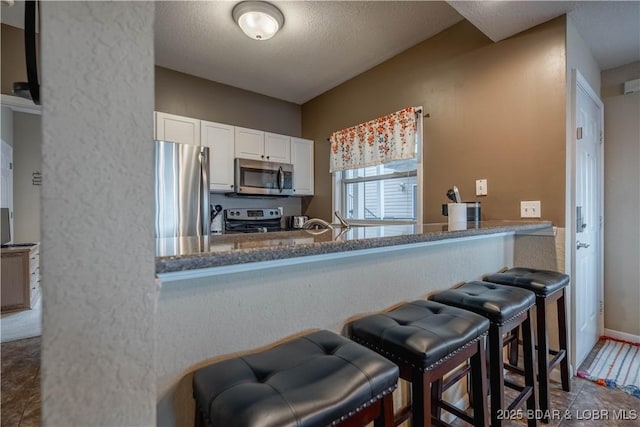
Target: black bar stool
x: 506, y: 308
x: 549, y: 286
x: 428, y: 340
x: 316, y: 380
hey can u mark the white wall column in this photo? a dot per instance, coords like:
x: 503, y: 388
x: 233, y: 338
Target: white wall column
x: 97, y: 214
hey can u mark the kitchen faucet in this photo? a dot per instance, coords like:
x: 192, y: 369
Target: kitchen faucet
x: 342, y: 220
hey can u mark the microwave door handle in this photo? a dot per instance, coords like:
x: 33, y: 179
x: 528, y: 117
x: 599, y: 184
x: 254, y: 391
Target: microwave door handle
x: 280, y: 179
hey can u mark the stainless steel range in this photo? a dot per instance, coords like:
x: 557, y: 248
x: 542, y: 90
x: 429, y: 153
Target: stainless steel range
x: 252, y: 220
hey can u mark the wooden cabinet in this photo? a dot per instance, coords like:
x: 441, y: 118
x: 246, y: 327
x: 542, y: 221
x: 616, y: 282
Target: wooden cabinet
x: 302, y: 159
x: 20, y: 277
x: 170, y: 127
x: 258, y: 145
x: 220, y: 140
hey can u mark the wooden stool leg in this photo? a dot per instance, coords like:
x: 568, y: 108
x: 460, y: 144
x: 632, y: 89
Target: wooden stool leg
x: 529, y: 366
x: 496, y: 375
x: 479, y: 385
x: 421, y: 399
x: 562, y: 334
x: 513, y: 348
x: 543, y: 355
x: 385, y: 419
x: 436, y: 396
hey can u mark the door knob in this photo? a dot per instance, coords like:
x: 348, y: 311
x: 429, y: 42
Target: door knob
x: 579, y: 245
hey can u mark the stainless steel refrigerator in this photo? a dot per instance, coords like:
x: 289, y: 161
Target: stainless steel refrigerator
x: 181, y: 190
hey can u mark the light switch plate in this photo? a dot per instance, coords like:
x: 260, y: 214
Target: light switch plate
x: 530, y: 209
x: 481, y: 187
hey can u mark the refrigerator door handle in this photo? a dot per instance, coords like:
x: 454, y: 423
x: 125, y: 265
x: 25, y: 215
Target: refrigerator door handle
x: 205, y: 226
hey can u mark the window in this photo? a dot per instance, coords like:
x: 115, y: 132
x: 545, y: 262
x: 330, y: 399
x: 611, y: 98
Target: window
x: 382, y: 193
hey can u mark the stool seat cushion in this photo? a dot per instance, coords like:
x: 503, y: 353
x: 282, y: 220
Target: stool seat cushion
x: 542, y: 282
x: 498, y: 303
x: 314, y: 380
x: 421, y: 333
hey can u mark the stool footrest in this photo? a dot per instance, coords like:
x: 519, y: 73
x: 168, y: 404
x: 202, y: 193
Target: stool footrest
x: 456, y: 376
x: 512, y: 368
x: 558, y: 357
x: 524, y: 395
x: 402, y: 415
x: 456, y: 411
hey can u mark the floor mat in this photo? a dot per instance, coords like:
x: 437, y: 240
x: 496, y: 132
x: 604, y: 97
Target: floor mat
x: 617, y: 365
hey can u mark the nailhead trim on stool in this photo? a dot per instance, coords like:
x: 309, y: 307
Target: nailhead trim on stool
x: 316, y: 380
x: 429, y: 340
x: 549, y: 286
x: 506, y: 308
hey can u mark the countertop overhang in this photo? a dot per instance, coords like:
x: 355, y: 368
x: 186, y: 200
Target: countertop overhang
x: 183, y: 254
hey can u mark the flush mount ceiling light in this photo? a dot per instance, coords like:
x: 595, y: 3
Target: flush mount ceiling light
x: 259, y: 20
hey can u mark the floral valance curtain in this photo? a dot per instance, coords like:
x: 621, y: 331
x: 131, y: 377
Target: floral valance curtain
x: 387, y: 138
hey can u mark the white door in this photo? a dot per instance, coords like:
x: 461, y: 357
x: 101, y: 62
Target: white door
x: 588, y: 255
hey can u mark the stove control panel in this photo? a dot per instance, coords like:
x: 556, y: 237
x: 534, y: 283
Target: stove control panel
x: 252, y: 214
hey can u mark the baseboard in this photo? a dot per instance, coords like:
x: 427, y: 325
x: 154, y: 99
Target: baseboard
x: 621, y: 336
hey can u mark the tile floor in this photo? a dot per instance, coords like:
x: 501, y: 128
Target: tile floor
x: 20, y: 385
x: 20, y: 394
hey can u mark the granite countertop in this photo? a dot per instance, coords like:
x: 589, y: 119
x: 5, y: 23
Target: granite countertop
x: 190, y: 253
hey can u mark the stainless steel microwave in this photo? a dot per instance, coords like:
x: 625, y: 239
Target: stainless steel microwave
x: 256, y: 177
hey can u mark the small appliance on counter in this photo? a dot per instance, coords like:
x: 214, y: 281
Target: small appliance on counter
x: 252, y: 220
x: 297, y: 221
x: 473, y: 208
x: 216, y: 219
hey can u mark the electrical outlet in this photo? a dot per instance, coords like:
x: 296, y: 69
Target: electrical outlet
x: 481, y: 187
x: 530, y: 209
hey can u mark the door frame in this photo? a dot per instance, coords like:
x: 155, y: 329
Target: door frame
x: 578, y: 80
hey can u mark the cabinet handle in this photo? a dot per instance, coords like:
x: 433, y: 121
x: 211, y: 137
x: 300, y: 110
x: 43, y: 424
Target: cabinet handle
x: 267, y: 157
x: 262, y: 156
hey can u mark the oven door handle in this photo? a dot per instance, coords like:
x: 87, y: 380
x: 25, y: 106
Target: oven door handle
x: 280, y: 179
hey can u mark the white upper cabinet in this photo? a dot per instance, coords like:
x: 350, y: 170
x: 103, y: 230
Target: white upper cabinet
x: 249, y: 143
x: 302, y: 159
x: 258, y: 145
x: 170, y: 127
x: 277, y: 148
x: 220, y: 140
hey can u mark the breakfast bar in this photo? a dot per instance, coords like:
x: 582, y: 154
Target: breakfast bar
x: 225, y: 294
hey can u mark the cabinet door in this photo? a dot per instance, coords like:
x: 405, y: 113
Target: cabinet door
x: 277, y: 148
x: 302, y: 159
x: 170, y: 127
x: 249, y: 144
x: 220, y: 140
x: 15, y: 280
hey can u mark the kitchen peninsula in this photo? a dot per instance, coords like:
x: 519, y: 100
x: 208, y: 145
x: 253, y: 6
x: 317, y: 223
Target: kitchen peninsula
x: 232, y: 293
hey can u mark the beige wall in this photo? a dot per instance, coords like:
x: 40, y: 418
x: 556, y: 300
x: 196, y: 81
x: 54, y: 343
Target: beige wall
x: 13, y: 63
x: 186, y: 95
x: 621, y: 201
x: 27, y: 155
x: 497, y: 111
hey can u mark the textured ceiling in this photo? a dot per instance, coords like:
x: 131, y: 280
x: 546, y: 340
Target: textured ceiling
x: 324, y: 43
x: 321, y: 44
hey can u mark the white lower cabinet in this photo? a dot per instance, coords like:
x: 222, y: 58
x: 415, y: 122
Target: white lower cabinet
x: 302, y: 159
x: 220, y: 140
